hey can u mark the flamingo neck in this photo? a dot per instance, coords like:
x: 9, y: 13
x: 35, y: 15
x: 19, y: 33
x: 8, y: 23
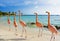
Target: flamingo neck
x: 19, y: 16
x: 14, y: 18
x: 8, y: 17
x: 48, y: 19
x: 36, y: 18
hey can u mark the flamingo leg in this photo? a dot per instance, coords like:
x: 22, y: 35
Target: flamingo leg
x: 25, y: 33
x: 22, y: 31
x: 9, y: 28
x: 51, y: 37
x: 54, y: 38
x: 39, y: 33
x: 16, y: 31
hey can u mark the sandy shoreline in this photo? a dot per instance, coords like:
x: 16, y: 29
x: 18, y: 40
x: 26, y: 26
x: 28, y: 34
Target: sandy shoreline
x: 32, y: 33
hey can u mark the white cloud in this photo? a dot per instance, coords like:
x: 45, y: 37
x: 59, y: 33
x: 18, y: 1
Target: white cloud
x: 36, y: 7
x: 54, y: 2
x: 31, y: 2
x: 27, y: 2
x: 35, y: 3
x: 48, y: 5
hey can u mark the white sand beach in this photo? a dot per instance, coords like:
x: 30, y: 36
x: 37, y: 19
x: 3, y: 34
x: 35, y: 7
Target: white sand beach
x: 32, y: 33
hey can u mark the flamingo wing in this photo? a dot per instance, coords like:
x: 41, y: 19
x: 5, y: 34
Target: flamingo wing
x: 53, y: 29
x: 8, y: 21
x: 15, y: 24
x: 38, y: 24
x: 23, y: 23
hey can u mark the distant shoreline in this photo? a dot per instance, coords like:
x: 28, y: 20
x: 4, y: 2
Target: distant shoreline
x: 38, y: 15
x: 30, y: 15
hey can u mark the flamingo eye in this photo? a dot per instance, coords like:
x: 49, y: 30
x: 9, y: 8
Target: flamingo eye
x: 46, y: 11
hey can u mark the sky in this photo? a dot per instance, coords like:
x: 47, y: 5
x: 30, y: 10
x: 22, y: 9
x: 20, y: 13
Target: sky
x: 28, y: 7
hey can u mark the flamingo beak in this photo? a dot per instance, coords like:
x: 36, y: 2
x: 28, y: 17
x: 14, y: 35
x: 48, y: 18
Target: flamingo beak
x: 46, y: 11
x: 35, y: 12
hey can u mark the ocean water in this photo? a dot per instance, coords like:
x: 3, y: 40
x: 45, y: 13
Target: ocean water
x: 55, y: 19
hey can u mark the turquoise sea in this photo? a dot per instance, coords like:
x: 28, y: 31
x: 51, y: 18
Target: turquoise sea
x: 55, y: 19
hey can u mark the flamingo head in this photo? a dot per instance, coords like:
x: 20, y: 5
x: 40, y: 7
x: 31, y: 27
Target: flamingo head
x: 18, y: 10
x: 35, y: 13
x: 48, y: 12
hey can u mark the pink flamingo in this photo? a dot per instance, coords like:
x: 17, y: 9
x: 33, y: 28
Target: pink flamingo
x: 15, y: 24
x: 23, y: 24
x: 9, y: 21
x: 51, y: 27
x: 38, y: 24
